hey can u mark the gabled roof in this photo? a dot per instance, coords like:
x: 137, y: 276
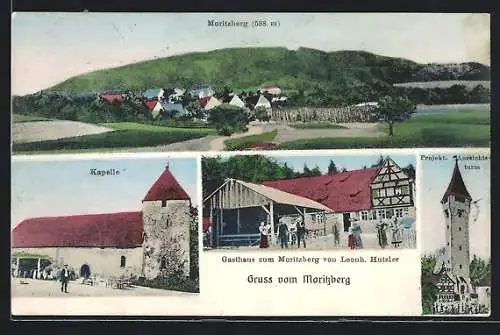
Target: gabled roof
x: 166, y: 187
x: 342, y: 192
x: 457, y: 186
x: 203, y: 101
x: 263, y: 102
x: 118, y: 230
x: 212, y: 103
x: 152, y: 93
x: 150, y: 104
x: 112, y: 97
x: 236, y: 101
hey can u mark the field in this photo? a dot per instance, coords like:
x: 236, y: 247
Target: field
x: 27, y: 118
x: 242, y: 142
x: 468, y: 128
x: 125, y: 135
x: 446, y: 84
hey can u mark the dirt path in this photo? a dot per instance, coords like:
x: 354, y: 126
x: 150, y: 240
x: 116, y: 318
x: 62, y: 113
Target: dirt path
x: 24, y: 132
x: 52, y: 288
x: 217, y: 144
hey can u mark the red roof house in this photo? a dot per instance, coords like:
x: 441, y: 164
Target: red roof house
x: 111, y: 230
x: 343, y: 192
x: 150, y: 104
x: 204, y: 101
x: 118, y: 230
x: 166, y: 188
x: 112, y: 97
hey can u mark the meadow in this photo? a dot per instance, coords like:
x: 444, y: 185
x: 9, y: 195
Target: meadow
x: 125, y: 135
x: 468, y: 128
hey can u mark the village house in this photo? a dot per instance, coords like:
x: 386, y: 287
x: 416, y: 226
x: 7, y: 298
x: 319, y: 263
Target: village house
x: 142, y: 243
x: 154, y: 94
x: 263, y: 103
x: 236, y: 101
x: 111, y: 97
x: 272, y: 90
x: 368, y: 196
x: 154, y: 107
x: 174, y: 109
x: 456, y: 291
x: 212, y: 103
x: 201, y: 91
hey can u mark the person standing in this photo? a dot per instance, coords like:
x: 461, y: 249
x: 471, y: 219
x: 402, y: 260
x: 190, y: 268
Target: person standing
x: 301, y: 233
x: 283, y: 234
x: 264, y: 242
x: 336, y: 235
x: 381, y: 234
x: 356, y: 232
x: 64, y: 279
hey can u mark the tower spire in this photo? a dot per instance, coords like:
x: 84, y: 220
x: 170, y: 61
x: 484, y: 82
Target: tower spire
x: 456, y: 187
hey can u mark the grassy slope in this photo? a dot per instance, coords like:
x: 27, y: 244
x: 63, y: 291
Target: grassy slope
x: 260, y: 66
x: 466, y: 128
x: 28, y: 118
x: 126, y: 135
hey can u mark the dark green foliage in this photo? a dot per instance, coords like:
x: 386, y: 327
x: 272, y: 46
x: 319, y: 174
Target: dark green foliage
x: 261, y: 114
x: 253, y: 168
x: 228, y: 119
x: 429, y: 291
x: 194, y: 269
x: 332, y: 168
x: 183, y: 284
x: 310, y: 77
x: 395, y: 109
x: 479, y: 268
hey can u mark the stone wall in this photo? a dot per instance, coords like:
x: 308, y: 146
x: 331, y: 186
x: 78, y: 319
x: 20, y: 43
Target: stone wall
x: 166, y: 240
x: 103, y: 262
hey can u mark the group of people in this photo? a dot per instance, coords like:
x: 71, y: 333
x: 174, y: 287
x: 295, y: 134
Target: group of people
x: 457, y: 307
x: 354, y: 240
x: 293, y: 233
x: 399, y: 234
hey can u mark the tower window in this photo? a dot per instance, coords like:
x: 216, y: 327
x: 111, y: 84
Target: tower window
x: 446, y: 213
x: 460, y: 213
x: 459, y: 228
x: 123, y: 261
x: 163, y: 264
x: 460, y: 247
x: 460, y: 266
x: 164, y: 203
x: 448, y: 227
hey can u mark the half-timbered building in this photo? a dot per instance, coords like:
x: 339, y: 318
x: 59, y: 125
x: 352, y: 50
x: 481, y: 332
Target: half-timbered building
x: 367, y: 195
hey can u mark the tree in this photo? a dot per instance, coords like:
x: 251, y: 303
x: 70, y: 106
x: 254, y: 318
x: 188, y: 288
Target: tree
x: 391, y: 110
x: 332, y: 169
x: 410, y: 171
x: 261, y: 114
x: 429, y: 291
x: 228, y: 119
x: 194, y: 271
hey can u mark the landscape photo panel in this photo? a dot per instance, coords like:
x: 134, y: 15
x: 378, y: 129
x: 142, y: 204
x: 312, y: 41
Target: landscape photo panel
x: 134, y: 82
x: 240, y: 164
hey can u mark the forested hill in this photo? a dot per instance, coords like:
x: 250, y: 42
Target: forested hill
x: 304, y: 69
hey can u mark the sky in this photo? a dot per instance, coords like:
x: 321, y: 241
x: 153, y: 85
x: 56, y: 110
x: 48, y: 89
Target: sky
x: 59, y: 188
x: 350, y: 162
x: 435, y: 177
x: 48, y: 48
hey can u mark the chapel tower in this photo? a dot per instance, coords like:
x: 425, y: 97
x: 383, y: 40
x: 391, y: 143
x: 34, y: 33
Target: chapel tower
x: 166, y: 220
x: 456, y: 203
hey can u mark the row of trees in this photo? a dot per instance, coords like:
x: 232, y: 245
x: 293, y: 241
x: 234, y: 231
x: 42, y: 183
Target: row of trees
x: 456, y: 94
x: 258, y: 168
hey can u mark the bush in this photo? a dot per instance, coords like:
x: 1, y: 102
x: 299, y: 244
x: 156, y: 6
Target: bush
x: 227, y: 119
x: 183, y: 284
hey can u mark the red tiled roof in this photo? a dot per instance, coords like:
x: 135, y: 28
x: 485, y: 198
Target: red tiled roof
x: 166, y: 188
x: 203, y: 101
x: 342, y: 192
x: 457, y: 186
x: 118, y: 230
x: 112, y: 97
x: 150, y: 104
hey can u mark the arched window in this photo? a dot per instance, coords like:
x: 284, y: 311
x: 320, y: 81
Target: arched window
x: 163, y: 264
x: 123, y: 261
